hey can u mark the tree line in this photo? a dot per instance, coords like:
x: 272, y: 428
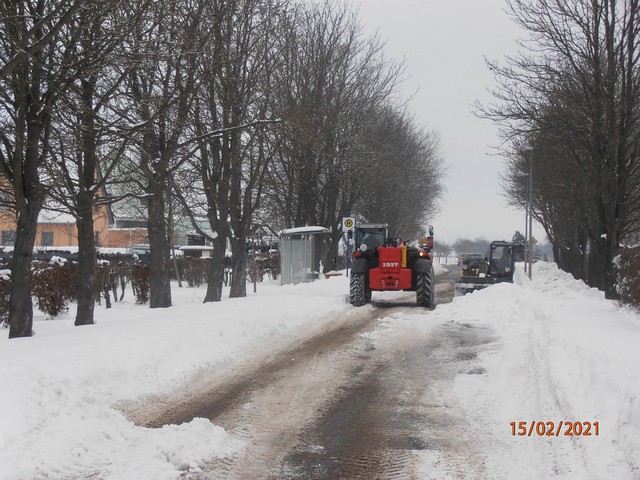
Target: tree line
x: 568, y: 106
x: 248, y: 114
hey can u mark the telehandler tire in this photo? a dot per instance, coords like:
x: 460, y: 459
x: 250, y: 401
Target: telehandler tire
x: 425, y: 289
x: 357, y: 294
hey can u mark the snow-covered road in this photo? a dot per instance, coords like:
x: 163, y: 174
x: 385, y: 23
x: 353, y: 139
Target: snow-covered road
x: 340, y: 404
x: 307, y: 387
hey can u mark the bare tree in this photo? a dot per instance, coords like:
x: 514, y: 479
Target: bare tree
x: 579, y: 74
x: 332, y: 81
x: 561, y: 198
x: 442, y: 251
x: 38, y: 34
x: 230, y: 125
x: 84, y: 146
x: 401, y: 184
x: 37, y: 66
x: 466, y: 245
x: 162, y: 89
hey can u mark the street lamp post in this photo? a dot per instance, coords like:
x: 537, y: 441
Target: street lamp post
x: 526, y: 235
x: 530, y: 211
x: 528, y: 219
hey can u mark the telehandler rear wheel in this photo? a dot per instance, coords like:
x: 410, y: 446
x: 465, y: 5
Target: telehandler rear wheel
x: 425, y: 291
x: 357, y: 294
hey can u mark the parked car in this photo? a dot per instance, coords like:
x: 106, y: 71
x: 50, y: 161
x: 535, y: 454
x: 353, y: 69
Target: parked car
x: 473, y: 264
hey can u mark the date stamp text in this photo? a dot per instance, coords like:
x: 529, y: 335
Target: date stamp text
x: 555, y: 429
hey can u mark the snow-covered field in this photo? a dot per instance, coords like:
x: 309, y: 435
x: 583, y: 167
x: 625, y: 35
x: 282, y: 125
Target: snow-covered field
x: 562, y: 353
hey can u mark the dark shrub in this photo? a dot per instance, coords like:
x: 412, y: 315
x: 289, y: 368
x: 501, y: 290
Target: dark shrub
x: 110, y: 277
x: 53, y: 287
x: 629, y: 276
x: 5, y: 291
x: 193, y: 270
x: 140, y: 282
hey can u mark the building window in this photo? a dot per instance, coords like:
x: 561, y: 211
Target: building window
x: 195, y: 239
x: 8, y: 237
x: 5, y: 201
x: 47, y: 239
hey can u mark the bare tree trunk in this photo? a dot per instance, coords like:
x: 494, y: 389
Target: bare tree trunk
x: 239, y: 271
x: 21, y: 307
x: 176, y: 267
x: 87, y: 264
x: 601, y: 267
x: 84, y: 202
x: 331, y: 252
x: 215, y: 278
x: 159, y: 252
x: 171, y: 228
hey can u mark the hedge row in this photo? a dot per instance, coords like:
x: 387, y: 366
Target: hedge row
x: 55, y: 282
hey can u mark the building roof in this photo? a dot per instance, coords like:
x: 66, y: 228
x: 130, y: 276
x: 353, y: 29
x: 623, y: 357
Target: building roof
x: 304, y: 230
x: 50, y: 216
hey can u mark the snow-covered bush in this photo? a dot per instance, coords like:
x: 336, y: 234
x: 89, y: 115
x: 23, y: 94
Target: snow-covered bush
x: 261, y: 264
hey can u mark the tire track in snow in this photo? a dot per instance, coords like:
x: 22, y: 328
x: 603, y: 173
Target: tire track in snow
x: 274, y: 401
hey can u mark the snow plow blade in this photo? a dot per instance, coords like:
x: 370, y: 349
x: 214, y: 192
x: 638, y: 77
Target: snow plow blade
x: 468, y: 285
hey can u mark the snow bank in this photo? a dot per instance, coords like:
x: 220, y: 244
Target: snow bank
x: 60, y: 387
x: 563, y: 353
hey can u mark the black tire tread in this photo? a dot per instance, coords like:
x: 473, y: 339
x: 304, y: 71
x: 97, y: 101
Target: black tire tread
x: 357, y: 295
x: 425, y: 294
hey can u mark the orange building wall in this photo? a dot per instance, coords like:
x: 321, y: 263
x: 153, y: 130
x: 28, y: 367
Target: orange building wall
x: 66, y: 234
x: 122, y: 238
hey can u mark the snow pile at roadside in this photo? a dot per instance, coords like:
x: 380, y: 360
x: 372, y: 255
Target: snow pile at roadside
x: 563, y: 353
x: 60, y: 388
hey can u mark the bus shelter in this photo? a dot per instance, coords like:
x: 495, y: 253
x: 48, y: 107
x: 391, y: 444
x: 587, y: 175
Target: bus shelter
x: 301, y: 252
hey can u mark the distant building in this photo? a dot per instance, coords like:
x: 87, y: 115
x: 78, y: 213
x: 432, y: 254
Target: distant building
x: 56, y: 229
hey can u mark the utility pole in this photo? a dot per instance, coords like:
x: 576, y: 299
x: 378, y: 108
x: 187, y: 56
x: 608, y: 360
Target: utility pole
x: 530, y: 212
x: 526, y: 235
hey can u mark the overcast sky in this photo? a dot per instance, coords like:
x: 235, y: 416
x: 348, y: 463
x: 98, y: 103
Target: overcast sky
x: 444, y: 44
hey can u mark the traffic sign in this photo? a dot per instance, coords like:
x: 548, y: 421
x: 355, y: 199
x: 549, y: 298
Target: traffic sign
x: 533, y: 242
x: 348, y: 224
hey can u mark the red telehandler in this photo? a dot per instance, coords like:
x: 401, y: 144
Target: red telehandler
x: 381, y: 263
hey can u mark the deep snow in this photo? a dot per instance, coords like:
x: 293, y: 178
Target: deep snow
x: 561, y: 352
